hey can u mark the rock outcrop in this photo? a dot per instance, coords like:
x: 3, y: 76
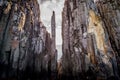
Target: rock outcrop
x: 25, y: 44
x: 90, y: 31
x: 91, y: 41
x: 53, y: 44
x: 74, y: 30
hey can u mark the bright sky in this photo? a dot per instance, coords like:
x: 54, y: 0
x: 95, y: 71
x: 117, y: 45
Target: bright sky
x: 46, y: 8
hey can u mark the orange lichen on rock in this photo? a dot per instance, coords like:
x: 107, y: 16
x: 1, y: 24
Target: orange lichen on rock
x: 96, y: 27
x: 22, y: 21
x: 8, y: 8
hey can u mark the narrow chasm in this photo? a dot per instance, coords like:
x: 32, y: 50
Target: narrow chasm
x: 59, y: 40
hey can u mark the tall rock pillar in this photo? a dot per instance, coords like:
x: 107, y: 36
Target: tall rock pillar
x: 53, y: 45
x: 53, y: 31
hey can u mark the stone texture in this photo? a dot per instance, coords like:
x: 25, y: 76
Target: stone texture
x: 90, y: 30
x: 53, y: 44
x: 74, y: 30
x: 25, y: 45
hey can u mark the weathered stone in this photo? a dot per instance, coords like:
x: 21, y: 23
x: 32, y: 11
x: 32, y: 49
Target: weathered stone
x: 74, y: 25
x: 91, y: 40
x: 89, y: 31
x: 53, y: 44
x: 25, y: 44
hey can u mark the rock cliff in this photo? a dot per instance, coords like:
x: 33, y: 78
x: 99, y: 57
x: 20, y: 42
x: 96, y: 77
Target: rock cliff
x: 90, y: 32
x: 53, y: 44
x: 25, y: 44
x: 91, y: 41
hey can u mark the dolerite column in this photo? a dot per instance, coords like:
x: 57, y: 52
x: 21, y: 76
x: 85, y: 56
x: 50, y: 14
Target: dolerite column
x: 24, y: 40
x: 105, y: 54
x: 53, y: 45
x: 90, y: 30
x: 74, y: 31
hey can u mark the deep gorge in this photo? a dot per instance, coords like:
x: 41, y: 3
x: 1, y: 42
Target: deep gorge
x: 90, y: 34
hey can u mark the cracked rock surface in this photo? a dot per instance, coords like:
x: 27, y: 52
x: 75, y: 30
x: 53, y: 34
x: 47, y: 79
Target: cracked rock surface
x: 25, y: 44
x: 90, y: 32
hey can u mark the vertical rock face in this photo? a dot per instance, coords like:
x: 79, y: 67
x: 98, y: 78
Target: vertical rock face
x: 74, y: 30
x: 53, y: 45
x: 53, y: 30
x: 90, y: 31
x: 25, y: 44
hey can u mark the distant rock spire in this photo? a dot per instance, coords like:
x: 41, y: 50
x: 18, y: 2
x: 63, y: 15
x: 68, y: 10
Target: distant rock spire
x: 53, y: 30
x: 53, y: 45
